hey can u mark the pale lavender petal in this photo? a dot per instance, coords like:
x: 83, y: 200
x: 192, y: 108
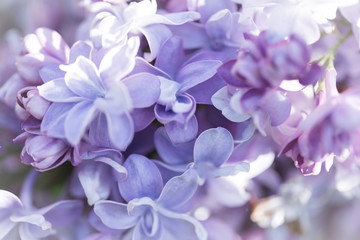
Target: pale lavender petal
x: 213, y: 146
x: 143, y: 180
x: 51, y: 72
x: 196, y: 73
x: 57, y: 91
x: 115, y: 215
x: 208, y: 7
x: 80, y: 48
x: 179, y: 190
x: 170, y: 153
x: 82, y: 77
x: 120, y: 130
x: 62, y: 213
x: 218, y: 25
x: 156, y: 35
x: 176, y: 224
x: 277, y: 105
x: 166, y: 60
x: 53, y: 122
x: 180, y: 133
x: 28, y: 66
x: 148, y: 231
x: 199, y: 37
x: 53, y: 43
x: 10, y: 88
x: 123, y: 56
x: 144, y: 89
x: 77, y: 121
x: 8, y: 203
x: 221, y: 100
x: 96, y: 180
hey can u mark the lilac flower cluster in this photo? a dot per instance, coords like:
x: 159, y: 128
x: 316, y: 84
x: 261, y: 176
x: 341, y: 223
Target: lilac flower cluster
x: 179, y: 119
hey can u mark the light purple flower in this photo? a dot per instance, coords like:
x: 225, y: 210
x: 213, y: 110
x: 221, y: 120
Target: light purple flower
x: 176, y: 107
x: 19, y: 219
x: 88, y: 92
x: 152, y: 210
x: 113, y: 26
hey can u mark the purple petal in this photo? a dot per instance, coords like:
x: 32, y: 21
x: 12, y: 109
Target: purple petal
x: 179, y: 190
x: 144, y: 179
x: 312, y: 75
x: 77, y: 121
x: 197, y: 72
x: 144, y: 89
x: 166, y: 60
x: 173, y: 154
x: 115, y: 215
x: 142, y: 118
x: 120, y: 130
x: 214, y: 146
x: 212, y: 86
x: 181, y: 133
x: 57, y: 91
x: 82, y: 77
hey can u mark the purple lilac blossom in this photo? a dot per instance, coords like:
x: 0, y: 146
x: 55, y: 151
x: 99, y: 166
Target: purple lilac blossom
x: 89, y: 92
x: 153, y: 210
x: 19, y: 218
x: 176, y: 108
x: 254, y: 85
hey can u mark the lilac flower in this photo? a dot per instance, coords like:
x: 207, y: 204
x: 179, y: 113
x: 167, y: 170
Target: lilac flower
x: 220, y: 31
x: 209, y: 156
x: 89, y: 92
x: 324, y: 134
x: 303, y: 18
x: 175, y: 107
x: 44, y: 47
x: 152, y: 210
x: 254, y: 85
x: 112, y: 27
x: 19, y: 219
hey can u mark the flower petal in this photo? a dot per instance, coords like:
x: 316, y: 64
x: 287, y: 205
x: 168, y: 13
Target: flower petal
x: 120, y: 130
x: 143, y: 180
x: 82, y: 77
x: 77, y: 120
x: 57, y: 91
x: 179, y: 190
x: 214, y: 146
x: 144, y: 89
x: 170, y: 153
x: 115, y: 215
